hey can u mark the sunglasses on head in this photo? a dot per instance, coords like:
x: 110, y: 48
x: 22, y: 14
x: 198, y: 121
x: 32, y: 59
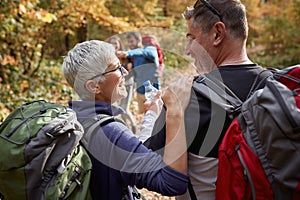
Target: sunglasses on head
x: 209, y: 6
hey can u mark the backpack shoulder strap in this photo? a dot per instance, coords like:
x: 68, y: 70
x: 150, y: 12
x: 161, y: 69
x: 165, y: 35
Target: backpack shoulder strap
x: 291, y: 73
x: 90, y: 126
x: 219, y: 93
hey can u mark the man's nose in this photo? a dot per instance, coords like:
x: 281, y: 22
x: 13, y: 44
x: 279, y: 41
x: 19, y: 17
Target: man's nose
x: 187, y: 49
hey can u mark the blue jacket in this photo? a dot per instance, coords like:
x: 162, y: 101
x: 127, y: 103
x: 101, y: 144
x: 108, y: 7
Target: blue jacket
x: 145, y: 66
x: 120, y: 159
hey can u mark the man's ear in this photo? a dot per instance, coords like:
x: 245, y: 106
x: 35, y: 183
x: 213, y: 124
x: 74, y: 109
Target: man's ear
x: 92, y: 86
x: 219, y: 31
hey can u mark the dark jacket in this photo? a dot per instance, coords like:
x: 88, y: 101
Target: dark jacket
x: 203, y: 118
x: 120, y: 159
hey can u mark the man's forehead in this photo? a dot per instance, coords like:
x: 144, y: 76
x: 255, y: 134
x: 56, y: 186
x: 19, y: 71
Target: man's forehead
x: 192, y: 30
x: 131, y: 37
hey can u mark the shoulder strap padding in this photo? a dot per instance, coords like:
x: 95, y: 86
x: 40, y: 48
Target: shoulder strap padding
x: 219, y: 93
x: 92, y: 124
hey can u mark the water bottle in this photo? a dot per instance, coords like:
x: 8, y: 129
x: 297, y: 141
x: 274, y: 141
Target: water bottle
x: 150, y: 90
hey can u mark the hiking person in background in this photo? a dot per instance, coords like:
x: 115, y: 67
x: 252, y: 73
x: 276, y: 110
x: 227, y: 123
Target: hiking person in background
x: 217, y: 34
x: 152, y: 40
x: 116, y: 42
x: 145, y: 65
x: 119, y: 159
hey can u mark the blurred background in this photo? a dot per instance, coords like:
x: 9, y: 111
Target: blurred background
x: 36, y: 34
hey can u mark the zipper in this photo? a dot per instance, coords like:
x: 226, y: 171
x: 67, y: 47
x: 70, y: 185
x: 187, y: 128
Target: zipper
x: 246, y: 171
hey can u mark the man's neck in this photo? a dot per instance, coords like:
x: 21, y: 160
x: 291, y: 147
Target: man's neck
x: 233, y: 53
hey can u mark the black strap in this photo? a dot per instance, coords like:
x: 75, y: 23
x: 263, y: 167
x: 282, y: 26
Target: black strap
x: 256, y: 84
x: 223, y: 90
x: 191, y: 191
x: 74, y: 178
x: 284, y: 74
x: 215, y: 90
x: 23, y: 117
x: 220, y: 95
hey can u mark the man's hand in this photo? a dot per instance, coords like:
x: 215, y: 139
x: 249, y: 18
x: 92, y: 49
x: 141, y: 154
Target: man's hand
x: 176, y: 98
x: 121, y: 54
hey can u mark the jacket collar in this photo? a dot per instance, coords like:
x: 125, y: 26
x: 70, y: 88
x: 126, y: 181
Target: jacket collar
x: 89, y: 109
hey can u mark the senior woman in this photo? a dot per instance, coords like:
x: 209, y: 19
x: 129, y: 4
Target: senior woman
x: 119, y: 159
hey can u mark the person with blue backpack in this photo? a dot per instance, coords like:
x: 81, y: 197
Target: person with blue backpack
x: 145, y: 64
x: 119, y: 159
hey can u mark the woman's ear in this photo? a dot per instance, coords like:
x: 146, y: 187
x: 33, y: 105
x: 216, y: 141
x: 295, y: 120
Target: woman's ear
x: 92, y: 86
x: 219, y: 31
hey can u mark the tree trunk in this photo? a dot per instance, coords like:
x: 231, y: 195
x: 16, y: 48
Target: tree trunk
x: 82, y: 33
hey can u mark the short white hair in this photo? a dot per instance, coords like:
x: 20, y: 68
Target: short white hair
x: 86, y: 60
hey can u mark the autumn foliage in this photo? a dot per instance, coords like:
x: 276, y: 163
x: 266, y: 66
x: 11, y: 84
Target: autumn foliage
x: 36, y: 34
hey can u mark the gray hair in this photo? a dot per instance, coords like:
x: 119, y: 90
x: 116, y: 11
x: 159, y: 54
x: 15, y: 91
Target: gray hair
x: 233, y: 14
x: 86, y: 60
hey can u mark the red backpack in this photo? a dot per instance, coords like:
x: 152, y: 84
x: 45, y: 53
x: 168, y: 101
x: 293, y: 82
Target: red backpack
x: 151, y: 39
x: 259, y: 157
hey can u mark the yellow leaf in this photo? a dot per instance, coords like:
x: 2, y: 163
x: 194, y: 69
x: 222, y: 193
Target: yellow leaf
x: 9, y: 60
x: 22, y: 9
x: 24, y: 85
x: 48, y: 18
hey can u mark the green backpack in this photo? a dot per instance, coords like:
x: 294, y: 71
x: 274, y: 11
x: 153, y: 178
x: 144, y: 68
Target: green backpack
x: 41, y: 157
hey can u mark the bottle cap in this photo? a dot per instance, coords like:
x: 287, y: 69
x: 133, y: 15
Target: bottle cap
x: 147, y: 83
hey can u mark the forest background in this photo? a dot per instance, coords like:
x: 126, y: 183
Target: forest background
x: 36, y: 34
